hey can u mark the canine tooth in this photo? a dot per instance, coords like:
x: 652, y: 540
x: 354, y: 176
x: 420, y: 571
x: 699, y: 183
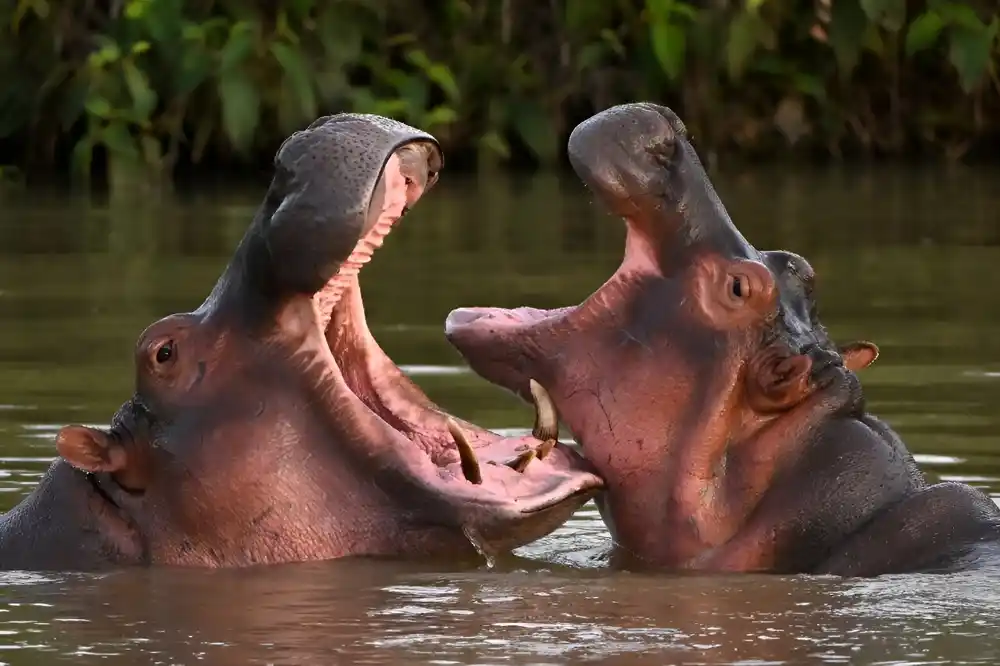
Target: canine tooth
x: 546, y: 417
x: 520, y: 463
x: 470, y: 466
x: 545, y: 449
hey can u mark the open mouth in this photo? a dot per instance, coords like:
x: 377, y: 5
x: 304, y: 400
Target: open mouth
x: 519, y: 475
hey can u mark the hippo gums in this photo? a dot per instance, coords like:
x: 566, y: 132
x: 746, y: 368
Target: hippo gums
x: 730, y: 430
x: 268, y: 425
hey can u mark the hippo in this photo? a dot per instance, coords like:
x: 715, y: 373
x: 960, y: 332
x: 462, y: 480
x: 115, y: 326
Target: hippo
x: 268, y: 426
x: 730, y: 430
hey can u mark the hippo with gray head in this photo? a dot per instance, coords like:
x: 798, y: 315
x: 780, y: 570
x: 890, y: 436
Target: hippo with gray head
x: 729, y: 428
x: 268, y: 425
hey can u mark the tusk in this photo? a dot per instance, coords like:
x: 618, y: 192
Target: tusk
x: 470, y: 466
x: 520, y: 463
x: 546, y: 417
x: 546, y: 448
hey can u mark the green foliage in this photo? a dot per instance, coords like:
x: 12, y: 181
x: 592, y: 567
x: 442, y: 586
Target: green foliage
x: 149, y: 81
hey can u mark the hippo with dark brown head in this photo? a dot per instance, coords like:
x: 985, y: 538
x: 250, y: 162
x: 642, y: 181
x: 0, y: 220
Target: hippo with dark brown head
x: 729, y: 428
x: 269, y: 426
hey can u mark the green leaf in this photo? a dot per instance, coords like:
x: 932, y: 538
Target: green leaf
x: 83, y: 153
x: 439, y: 115
x: 890, y: 14
x: 98, y: 106
x: 970, y: 53
x: 298, y: 76
x: 668, y: 46
x: 195, y: 69
x: 439, y: 73
x: 848, y: 25
x: 742, y: 42
x: 810, y: 85
x: 495, y: 143
x: 955, y: 13
x: 923, y: 32
x: 238, y: 46
x: 535, y: 128
x: 143, y: 97
x: 119, y: 141
x: 240, y: 108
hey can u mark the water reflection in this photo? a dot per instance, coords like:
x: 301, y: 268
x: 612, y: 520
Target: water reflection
x: 904, y: 258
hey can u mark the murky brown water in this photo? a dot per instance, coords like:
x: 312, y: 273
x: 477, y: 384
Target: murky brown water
x: 910, y: 260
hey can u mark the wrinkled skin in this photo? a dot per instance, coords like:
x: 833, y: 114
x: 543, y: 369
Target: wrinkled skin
x: 729, y: 428
x: 268, y: 425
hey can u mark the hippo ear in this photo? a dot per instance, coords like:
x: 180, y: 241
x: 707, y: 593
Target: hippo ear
x: 90, y: 450
x: 778, y: 383
x: 859, y: 355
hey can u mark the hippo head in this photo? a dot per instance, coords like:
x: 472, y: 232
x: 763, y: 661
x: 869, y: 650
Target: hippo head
x: 693, y: 346
x: 268, y: 425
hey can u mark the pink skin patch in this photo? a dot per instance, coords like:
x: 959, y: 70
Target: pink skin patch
x: 399, y: 190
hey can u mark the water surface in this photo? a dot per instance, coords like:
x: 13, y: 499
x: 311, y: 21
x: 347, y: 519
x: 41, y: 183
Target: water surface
x: 906, y: 258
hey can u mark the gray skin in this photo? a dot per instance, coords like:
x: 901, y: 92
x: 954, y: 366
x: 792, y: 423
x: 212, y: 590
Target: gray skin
x: 729, y: 428
x: 268, y: 426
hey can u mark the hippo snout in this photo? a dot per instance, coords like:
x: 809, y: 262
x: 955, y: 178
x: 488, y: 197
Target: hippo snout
x: 623, y: 150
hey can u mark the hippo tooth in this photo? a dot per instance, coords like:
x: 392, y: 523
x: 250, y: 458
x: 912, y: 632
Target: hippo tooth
x: 546, y: 448
x: 519, y: 463
x: 470, y: 466
x: 546, y: 417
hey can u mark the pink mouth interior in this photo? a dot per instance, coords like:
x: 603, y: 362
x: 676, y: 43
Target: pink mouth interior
x: 374, y: 378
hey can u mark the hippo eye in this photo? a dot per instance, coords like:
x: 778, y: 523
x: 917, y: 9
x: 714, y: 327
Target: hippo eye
x: 165, y: 352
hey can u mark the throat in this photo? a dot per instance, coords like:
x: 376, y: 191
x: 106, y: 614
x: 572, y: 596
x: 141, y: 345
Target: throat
x: 379, y: 383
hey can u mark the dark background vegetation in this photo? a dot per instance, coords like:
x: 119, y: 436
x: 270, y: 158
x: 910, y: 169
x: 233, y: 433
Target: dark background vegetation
x: 144, y: 93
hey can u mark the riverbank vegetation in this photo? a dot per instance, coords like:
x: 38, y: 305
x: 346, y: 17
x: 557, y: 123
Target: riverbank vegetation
x: 144, y: 91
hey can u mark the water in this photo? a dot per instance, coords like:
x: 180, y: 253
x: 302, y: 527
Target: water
x: 908, y: 259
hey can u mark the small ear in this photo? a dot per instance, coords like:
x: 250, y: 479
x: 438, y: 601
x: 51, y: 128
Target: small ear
x: 858, y: 355
x: 91, y: 450
x: 780, y: 383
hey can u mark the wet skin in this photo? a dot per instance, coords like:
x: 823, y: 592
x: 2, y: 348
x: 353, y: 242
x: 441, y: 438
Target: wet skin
x: 268, y: 425
x: 731, y: 431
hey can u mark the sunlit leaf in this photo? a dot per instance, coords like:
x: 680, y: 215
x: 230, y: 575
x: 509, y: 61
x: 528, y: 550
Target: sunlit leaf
x: 923, y: 32
x: 298, y: 76
x: 240, y: 108
x: 143, y: 97
x: 970, y: 52
x: 848, y: 25
x: 535, y: 128
x: 98, y: 106
x: 668, y: 45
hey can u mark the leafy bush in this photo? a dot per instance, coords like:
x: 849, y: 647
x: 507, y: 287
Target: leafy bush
x: 150, y: 82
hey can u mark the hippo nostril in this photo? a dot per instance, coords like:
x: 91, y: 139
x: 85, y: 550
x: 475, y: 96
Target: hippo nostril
x: 663, y: 151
